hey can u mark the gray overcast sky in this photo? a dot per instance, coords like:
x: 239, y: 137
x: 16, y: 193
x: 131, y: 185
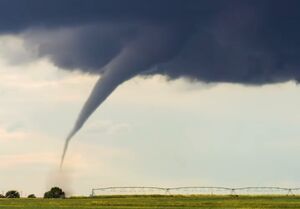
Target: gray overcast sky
x: 149, y: 132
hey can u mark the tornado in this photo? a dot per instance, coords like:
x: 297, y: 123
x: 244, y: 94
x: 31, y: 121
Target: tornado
x: 135, y: 58
x: 106, y: 84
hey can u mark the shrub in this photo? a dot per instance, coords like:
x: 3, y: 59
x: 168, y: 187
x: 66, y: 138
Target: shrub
x: 2, y: 196
x: 55, y: 192
x: 31, y: 196
x: 12, y: 194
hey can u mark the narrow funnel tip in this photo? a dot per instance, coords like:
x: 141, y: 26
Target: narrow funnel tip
x: 66, y: 147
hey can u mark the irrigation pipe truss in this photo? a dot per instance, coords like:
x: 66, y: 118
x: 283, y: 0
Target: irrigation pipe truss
x: 194, y: 190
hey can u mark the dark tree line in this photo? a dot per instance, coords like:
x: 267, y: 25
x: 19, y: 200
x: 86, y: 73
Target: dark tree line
x: 54, y: 192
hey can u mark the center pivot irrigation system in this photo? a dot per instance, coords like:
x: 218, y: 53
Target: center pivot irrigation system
x: 195, y: 191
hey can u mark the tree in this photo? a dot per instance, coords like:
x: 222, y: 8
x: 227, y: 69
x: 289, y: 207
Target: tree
x: 31, y: 196
x: 2, y: 196
x: 55, y: 192
x: 12, y: 194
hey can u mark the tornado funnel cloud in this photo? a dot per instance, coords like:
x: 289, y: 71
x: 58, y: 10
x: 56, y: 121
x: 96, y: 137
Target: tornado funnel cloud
x: 137, y: 57
x: 72, y: 133
x: 115, y: 73
x: 103, y: 88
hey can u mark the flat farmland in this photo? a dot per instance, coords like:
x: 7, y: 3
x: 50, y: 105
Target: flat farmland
x: 156, y: 202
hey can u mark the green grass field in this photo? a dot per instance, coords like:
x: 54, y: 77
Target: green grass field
x: 157, y: 202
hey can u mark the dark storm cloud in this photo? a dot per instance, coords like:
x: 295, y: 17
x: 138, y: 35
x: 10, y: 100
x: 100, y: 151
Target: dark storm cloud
x: 16, y: 15
x: 84, y: 47
x: 246, y: 41
x: 241, y: 41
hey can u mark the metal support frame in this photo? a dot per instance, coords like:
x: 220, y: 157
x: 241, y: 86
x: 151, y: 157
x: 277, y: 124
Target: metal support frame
x: 194, y: 190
